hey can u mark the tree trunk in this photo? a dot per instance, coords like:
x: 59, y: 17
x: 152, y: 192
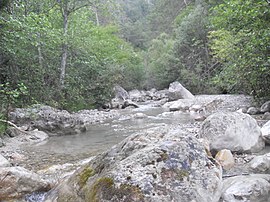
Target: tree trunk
x: 97, y: 19
x: 40, y: 58
x: 185, y: 2
x: 64, y: 51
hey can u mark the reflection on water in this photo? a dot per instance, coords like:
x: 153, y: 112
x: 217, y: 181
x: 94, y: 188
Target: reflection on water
x: 98, y: 138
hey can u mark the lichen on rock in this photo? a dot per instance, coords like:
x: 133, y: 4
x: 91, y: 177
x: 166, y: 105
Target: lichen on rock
x: 160, y: 164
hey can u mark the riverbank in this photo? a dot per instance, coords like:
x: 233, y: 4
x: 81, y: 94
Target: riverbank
x: 54, y: 166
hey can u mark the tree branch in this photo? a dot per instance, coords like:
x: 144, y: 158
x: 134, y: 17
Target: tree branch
x: 12, y: 124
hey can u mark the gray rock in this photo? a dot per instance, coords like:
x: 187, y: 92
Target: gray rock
x: 138, y: 96
x: 225, y: 158
x: 140, y: 115
x: 260, y: 164
x: 266, y: 132
x: 253, y: 188
x: 181, y: 105
x: 177, y: 91
x: 17, y: 181
x: 253, y: 111
x: 266, y: 116
x: 265, y: 107
x: 199, y: 117
x: 161, y: 94
x: 128, y: 103
x: 196, y: 108
x: 158, y: 165
x: 121, y: 93
x: 235, y: 131
x: 4, y: 162
x: 38, y: 135
x: 58, y: 122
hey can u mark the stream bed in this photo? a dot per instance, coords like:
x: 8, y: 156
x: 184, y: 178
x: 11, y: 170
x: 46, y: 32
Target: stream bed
x: 59, y: 150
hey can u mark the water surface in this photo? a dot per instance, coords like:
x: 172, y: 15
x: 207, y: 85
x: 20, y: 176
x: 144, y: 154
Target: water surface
x: 100, y: 137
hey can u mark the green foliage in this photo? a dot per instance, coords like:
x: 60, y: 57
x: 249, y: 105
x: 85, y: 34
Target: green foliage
x: 3, y: 3
x: 30, y: 49
x: 3, y: 126
x: 184, y: 56
x: 227, y: 50
x: 159, y: 59
x: 9, y: 96
x: 98, y: 60
x: 240, y: 42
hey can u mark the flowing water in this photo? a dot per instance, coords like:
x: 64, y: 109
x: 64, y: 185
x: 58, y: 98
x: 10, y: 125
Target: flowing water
x: 98, y: 138
x: 67, y: 150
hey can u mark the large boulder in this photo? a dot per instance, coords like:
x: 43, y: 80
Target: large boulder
x: 157, y: 165
x: 15, y: 182
x: 266, y: 132
x: 235, y: 131
x: 253, y: 188
x: 177, y: 91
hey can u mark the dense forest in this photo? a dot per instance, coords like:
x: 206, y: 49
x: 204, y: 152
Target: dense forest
x: 69, y: 54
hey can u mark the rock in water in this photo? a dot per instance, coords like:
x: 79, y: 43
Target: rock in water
x: 266, y: 132
x: 177, y: 91
x: 253, y: 188
x: 17, y: 181
x: 180, y: 105
x: 235, y: 131
x: 158, y: 165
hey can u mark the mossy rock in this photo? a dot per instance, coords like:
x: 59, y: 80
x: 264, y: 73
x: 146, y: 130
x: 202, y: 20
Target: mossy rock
x: 102, y: 186
x: 105, y: 189
x: 85, y: 175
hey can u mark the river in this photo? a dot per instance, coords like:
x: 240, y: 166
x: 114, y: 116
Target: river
x: 98, y: 138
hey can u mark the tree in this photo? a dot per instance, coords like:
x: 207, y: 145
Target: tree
x: 68, y: 7
x: 240, y: 42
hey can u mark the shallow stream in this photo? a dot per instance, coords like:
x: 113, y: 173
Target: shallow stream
x: 98, y: 138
